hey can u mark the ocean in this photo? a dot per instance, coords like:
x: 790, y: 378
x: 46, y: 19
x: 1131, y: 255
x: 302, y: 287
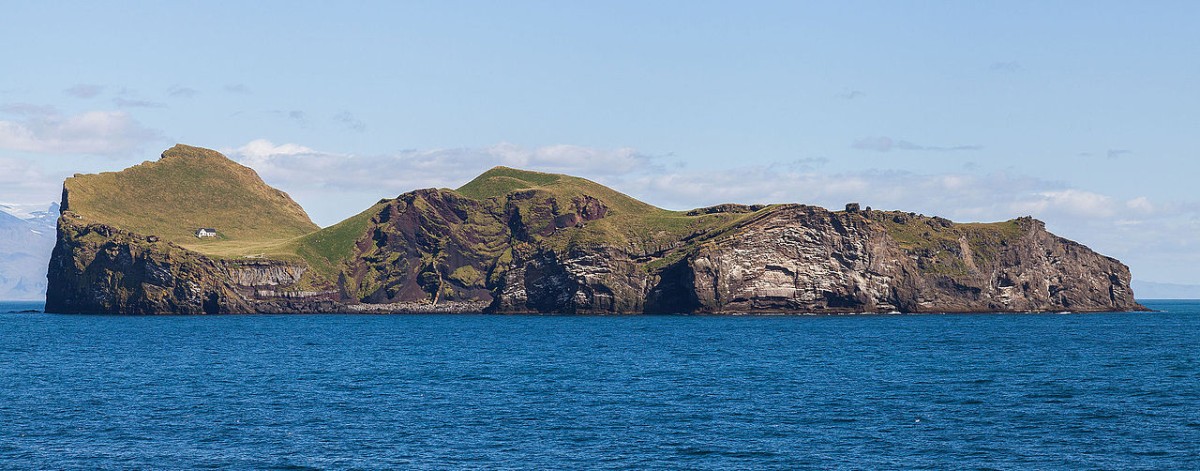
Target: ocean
x: 1011, y: 391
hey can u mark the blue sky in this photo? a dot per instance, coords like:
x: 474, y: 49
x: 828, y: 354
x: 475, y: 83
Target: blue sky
x: 1083, y: 114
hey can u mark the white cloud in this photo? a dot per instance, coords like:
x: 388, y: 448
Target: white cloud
x: 45, y: 130
x: 85, y: 90
x: 410, y: 169
x: 959, y: 196
x: 564, y: 158
x: 182, y: 92
x: 887, y: 144
x: 333, y: 185
x: 123, y: 102
x: 264, y: 149
x: 349, y: 121
x: 1140, y: 204
x: 24, y: 182
x: 1070, y: 201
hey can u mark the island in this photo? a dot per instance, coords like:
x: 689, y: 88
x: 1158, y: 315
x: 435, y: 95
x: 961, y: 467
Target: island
x: 197, y: 233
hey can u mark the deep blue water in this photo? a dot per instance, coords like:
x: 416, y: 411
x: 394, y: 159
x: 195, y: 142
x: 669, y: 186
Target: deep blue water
x: 1107, y: 391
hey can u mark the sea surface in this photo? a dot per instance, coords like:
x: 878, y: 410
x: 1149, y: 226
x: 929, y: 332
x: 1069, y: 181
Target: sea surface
x: 1012, y: 391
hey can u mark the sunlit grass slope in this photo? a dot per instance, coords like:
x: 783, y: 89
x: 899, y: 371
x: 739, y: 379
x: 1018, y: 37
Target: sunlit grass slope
x: 629, y: 222
x: 326, y: 249
x: 190, y: 188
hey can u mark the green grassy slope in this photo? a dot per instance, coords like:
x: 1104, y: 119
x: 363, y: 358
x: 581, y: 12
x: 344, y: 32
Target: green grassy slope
x: 939, y: 242
x: 189, y: 188
x: 629, y: 223
x: 326, y: 249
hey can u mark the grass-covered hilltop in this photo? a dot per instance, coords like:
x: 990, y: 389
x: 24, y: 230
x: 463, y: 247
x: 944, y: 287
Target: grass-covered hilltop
x: 187, y: 189
x: 515, y: 241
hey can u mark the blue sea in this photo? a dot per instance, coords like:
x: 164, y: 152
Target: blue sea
x: 1014, y: 391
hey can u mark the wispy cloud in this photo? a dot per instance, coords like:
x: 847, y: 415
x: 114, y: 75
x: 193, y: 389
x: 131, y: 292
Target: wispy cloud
x: 1070, y: 201
x: 349, y: 121
x: 1115, y: 153
x: 123, y: 102
x: 24, y: 182
x: 182, y: 92
x: 807, y: 164
x: 85, y: 90
x: 236, y: 88
x: 296, y: 116
x: 887, y: 144
x: 974, y: 197
x: 391, y: 174
x: 28, y: 109
x: 45, y: 130
x: 564, y: 158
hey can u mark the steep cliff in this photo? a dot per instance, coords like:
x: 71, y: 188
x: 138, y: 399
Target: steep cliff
x: 513, y: 241
x: 96, y: 268
x: 126, y: 242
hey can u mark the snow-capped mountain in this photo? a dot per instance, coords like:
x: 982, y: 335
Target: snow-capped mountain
x: 26, y: 238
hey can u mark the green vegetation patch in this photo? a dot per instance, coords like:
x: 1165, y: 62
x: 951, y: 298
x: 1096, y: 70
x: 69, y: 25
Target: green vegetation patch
x: 467, y: 276
x: 937, y: 241
x: 189, y: 188
x: 501, y: 181
x: 327, y: 248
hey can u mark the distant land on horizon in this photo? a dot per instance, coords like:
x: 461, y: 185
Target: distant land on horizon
x: 1154, y: 290
x: 26, y: 239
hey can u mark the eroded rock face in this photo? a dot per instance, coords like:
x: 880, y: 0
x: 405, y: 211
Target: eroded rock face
x: 807, y: 259
x: 801, y: 259
x: 97, y: 268
x: 435, y: 248
x: 600, y: 281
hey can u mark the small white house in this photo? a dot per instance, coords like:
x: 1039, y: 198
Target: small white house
x: 205, y: 232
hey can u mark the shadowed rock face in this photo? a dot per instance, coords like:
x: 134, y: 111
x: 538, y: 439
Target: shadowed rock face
x: 97, y: 268
x: 811, y: 260
x: 537, y: 250
x: 806, y: 259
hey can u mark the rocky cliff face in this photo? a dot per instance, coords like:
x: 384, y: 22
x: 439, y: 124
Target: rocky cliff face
x: 433, y: 246
x: 424, y: 249
x: 96, y: 268
x: 812, y: 260
x: 789, y: 258
x: 806, y: 259
x: 539, y: 243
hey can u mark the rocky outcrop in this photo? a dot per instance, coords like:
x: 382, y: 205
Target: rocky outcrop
x: 603, y: 280
x: 811, y: 260
x: 433, y: 247
x: 564, y: 250
x: 801, y: 259
x: 97, y: 268
x: 807, y: 259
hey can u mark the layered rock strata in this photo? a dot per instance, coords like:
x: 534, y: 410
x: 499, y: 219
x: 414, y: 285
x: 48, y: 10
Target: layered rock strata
x: 542, y: 249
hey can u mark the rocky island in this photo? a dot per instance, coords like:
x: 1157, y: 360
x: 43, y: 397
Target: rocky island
x: 138, y: 241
